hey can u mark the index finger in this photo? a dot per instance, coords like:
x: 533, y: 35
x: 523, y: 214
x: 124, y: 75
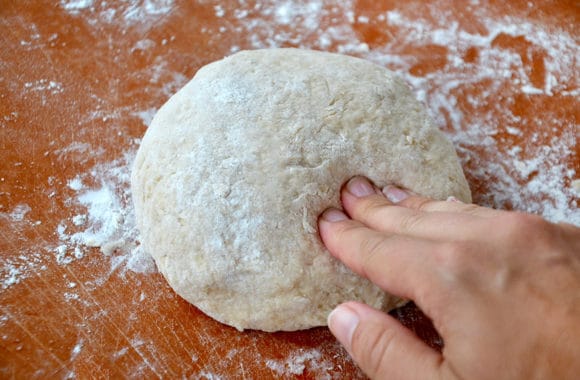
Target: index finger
x: 400, y: 265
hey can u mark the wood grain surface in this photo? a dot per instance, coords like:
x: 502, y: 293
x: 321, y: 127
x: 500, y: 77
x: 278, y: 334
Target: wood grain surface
x: 80, y: 80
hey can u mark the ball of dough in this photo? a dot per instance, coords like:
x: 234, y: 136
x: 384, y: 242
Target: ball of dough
x: 236, y: 167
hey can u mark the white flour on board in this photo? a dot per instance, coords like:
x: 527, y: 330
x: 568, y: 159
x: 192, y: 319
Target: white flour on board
x: 296, y: 363
x: 528, y: 177
x: 128, y: 12
x: 108, y: 222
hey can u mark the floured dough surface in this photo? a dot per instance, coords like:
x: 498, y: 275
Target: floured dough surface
x: 236, y: 167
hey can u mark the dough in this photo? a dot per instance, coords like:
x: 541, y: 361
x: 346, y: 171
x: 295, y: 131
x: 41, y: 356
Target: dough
x: 236, y: 167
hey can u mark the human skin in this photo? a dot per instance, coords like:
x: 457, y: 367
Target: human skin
x: 502, y: 288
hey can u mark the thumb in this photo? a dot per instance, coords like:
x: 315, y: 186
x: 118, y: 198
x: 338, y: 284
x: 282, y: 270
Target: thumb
x: 381, y: 346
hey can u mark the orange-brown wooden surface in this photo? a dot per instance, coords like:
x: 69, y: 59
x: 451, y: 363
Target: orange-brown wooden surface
x: 80, y: 79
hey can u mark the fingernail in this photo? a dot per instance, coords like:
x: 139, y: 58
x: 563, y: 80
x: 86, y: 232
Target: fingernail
x: 360, y: 187
x: 334, y: 215
x: 342, y: 322
x: 453, y: 199
x: 395, y: 194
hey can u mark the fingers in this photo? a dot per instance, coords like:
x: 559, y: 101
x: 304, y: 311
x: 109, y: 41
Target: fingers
x: 398, y: 264
x: 362, y: 203
x: 406, y: 199
x: 381, y: 346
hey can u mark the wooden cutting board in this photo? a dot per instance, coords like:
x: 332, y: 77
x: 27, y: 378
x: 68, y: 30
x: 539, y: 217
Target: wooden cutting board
x: 81, y: 79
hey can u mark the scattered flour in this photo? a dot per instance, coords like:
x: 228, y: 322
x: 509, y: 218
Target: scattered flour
x: 11, y: 276
x: 75, y: 5
x: 108, y: 222
x: 204, y: 375
x: 531, y: 178
x: 147, y: 115
x: 76, y: 349
x: 44, y: 85
x: 128, y: 12
x: 77, y: 151
x: 75, y: 184
x: 19, y: 212
x: 15, y: 270
x: 299, y: 360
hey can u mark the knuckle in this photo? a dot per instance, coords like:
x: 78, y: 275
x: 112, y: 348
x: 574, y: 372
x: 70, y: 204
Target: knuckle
x: 371, y: 249
x: 471, y: 208
x: 340, y: 234
x: 410, y: 221
x: 369, y: 206
x: 372, y: 346
x: 521, y: 220
x: 342, y: 242
x: 524, y: 227
x: 454, y: 256
x: 417, y: 203
x: 345, y: 228
x: 424, y: 203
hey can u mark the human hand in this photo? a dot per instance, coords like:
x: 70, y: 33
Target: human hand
x: 502, y: 288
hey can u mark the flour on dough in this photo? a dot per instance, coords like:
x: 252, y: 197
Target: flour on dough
x: 236, y: 167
